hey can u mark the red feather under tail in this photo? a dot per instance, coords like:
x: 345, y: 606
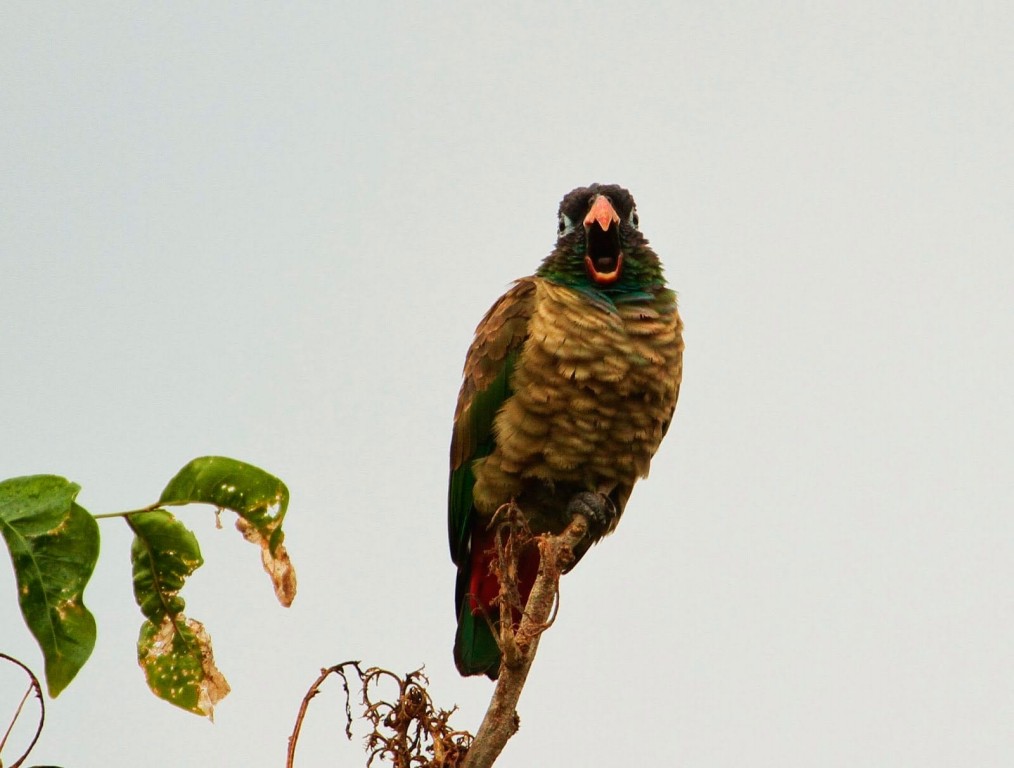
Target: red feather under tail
x: 484, y: 587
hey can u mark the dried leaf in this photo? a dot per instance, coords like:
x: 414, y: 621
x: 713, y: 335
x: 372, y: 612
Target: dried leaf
x: 276, y: 563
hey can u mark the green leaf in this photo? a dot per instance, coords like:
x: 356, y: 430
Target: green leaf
x: 54, y: 544
x: 247, y: 490
x: 260, y: 500
x: 163, y: 554
x: 174, y: 651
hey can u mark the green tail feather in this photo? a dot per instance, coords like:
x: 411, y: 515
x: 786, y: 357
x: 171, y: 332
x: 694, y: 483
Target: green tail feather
x: 475, y: 648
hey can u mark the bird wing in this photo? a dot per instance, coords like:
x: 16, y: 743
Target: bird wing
x: 488, y: 367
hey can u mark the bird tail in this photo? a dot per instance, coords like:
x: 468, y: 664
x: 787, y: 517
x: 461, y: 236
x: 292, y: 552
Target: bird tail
x: 476, y: 650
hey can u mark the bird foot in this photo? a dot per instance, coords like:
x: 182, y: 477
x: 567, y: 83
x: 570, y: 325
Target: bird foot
x: 598, y: 509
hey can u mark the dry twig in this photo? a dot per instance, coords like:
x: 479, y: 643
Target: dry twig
x: 409, y: 731
x: 33, y: 686
x: 501, y: 720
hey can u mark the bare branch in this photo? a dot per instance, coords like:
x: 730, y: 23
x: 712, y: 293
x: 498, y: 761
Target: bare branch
x: 501, y: 720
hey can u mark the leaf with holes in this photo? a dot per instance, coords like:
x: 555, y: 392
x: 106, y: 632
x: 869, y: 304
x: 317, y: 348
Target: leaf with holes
x: 179, y: 665
x: 174, y: 651
x: 260, y: 499
x: 54, y: 544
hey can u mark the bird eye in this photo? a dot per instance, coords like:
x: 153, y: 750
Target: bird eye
x: 634, y: 220
x: 566, y: 226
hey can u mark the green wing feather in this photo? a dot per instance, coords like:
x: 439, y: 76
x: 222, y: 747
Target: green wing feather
x: 480, y: 414
x: 488, y: 367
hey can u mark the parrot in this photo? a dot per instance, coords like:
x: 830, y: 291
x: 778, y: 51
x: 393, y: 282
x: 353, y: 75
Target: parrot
x: 568, y: 388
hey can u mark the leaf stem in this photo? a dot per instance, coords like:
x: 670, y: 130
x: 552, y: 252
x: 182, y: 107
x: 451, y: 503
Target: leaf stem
x: 149, y: 508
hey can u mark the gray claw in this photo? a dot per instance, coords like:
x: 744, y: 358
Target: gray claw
x: 598, y: 508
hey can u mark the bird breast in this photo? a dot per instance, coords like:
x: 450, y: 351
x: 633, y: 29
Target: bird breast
x: 593, y: 389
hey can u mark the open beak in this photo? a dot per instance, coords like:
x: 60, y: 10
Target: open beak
x: 603, y: 258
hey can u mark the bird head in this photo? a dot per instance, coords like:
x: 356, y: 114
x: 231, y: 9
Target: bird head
x: 599, y: 244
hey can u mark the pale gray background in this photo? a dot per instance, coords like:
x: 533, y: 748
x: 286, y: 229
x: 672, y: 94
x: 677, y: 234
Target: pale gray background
x: 269, y: 233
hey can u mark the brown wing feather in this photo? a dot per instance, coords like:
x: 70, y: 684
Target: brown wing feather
x: 501, y: 331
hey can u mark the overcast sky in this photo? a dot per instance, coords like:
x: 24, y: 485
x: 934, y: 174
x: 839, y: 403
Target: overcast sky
x: 269, y: 233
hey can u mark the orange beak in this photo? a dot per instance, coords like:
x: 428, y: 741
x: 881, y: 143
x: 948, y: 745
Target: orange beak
x: 603, y: 212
